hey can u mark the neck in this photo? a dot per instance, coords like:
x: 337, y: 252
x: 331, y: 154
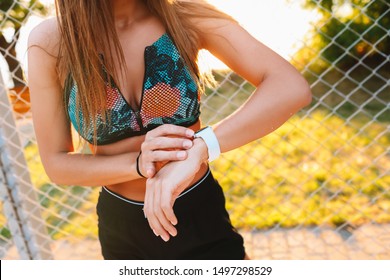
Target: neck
x: 126, y: 12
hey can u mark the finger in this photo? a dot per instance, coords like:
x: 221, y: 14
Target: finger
x: 150, y: 169
x: 160, y: 143
x: 170, y: 129
x: 158, y: 229
x: 147, y: 161
x: 147, y: 167
x: 164, y: 222
x: 153, y: 221
x: 167, y: 206
x: 156, y: 156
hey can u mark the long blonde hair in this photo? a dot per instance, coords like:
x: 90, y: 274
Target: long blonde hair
x: 86, y: 24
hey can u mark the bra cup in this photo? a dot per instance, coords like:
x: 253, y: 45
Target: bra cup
x: 169, y: 96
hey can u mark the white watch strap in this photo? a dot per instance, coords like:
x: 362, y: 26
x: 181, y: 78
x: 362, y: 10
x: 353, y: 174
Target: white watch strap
x: 208, y: 135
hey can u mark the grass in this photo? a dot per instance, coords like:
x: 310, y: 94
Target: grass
x: 328, y: 165
x: 288, y: 179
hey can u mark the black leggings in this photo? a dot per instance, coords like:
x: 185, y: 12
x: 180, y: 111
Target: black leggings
x: 204, y: 228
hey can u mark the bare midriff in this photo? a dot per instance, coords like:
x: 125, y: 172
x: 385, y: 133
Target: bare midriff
x: 135, y: 189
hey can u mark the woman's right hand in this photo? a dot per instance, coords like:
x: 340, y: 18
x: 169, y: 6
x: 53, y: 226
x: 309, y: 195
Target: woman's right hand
x: 164, y: 144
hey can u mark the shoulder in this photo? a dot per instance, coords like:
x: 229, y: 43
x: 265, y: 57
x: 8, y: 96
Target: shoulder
x: 46, y: 36
x: 206, y: 18
x: 43, y: 53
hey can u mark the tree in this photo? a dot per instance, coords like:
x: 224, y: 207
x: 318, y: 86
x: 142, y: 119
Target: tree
x: 348, y: 32
x: 13, y: 14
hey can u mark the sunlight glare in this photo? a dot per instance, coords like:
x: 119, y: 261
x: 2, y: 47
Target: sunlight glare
x: 279, y: 24
x: 276, y: 23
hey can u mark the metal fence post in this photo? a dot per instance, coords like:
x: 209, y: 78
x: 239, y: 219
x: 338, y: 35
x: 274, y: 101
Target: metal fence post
x: 21, y: 205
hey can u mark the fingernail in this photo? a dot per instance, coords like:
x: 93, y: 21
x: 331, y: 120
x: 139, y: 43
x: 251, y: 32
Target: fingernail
x: 149, y: 173
x: 165, y: 238
x: 181, y: 154
x: 174, y: 223
x: 187, y: 144
x: 155, y: 233
x: 189, y: 133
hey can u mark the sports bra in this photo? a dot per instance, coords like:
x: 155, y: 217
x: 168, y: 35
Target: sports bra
x: 169, y: 96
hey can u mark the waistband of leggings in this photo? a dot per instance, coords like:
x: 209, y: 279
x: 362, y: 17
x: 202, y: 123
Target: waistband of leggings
x: 140, y: 203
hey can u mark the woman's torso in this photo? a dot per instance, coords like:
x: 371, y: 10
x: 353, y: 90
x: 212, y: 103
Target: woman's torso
x: 135, y: 94
x: 135, y: 190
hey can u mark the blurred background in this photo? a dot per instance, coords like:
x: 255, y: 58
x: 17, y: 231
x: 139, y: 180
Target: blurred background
x: 317, y: 188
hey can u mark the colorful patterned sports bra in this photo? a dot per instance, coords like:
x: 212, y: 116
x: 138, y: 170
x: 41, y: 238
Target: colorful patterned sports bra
x: 169, y: 96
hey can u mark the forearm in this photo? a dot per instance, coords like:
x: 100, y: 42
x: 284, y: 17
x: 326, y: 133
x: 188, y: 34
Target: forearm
x: 91, y: 170
x: 271, y: 105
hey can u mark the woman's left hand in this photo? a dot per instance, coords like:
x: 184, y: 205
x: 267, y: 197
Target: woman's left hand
x: 163, y: 189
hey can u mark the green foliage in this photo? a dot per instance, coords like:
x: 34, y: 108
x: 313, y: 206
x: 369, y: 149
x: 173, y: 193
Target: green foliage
x: 13, y: 14
x: 5, y: 234
x: 289, y: 179
x: 345, y: 38
x: 350, y: 94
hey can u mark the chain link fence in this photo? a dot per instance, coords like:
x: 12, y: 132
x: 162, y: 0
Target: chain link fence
x: 317, y: 188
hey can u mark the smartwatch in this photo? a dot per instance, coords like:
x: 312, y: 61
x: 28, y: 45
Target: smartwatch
x: 208, y: 136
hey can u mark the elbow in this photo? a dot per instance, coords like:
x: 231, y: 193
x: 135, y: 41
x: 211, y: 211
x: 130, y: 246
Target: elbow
x: 302, y: 93
x: 56, y: 180
x: 55, y: 175
x: 54, y: 172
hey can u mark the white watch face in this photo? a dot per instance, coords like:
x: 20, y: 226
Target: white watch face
x: 207, y: 134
